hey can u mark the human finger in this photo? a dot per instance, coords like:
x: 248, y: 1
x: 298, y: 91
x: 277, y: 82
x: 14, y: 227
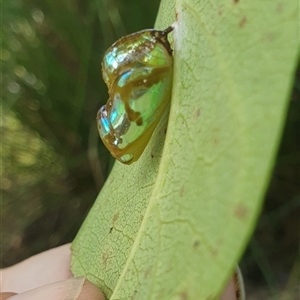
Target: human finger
x: 77, y: 288
x: 41, y: 269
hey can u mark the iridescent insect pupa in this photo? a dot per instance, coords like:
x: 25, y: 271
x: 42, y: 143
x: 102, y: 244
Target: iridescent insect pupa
x: 137, y: 70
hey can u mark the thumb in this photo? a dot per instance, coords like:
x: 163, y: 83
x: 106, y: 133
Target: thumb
x: 72, y: 289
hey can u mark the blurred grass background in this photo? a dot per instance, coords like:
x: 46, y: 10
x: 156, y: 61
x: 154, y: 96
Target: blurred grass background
x: 53, y: 163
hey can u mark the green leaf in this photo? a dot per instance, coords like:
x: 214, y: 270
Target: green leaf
x: 174, y: 224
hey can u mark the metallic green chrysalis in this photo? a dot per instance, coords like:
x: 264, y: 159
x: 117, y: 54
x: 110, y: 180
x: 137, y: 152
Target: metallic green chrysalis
x: 137, y: 70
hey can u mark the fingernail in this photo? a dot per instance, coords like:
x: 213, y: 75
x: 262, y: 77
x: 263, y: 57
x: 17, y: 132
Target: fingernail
x: 63, y: 290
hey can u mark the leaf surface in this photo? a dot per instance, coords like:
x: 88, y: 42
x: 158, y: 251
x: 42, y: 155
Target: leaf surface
x: 174, y: 224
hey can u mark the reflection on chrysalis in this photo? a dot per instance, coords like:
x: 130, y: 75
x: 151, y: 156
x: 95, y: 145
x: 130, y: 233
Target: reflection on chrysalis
x: 137, y: 70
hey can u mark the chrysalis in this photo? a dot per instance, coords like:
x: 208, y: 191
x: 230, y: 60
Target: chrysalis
x: 137, y: 70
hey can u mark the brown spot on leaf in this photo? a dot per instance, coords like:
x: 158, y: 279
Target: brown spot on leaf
x: 220, y: 11
x: 115, y: 218
x: 176, y: 14
x: 269, y: 37
x: 184, y: 295
x: 111, y: 229
x: 134, y: 294
x: 148, y: 272
x: 279, y: 7
x: 243, y: 21
x: 152, y: 155
x: 214, y: 252
x: 241, y: 211
x: 236, y: 1
x: 181, y: 191
x: 197, y: 113
x: 196, y: 244
x: 215, y: 132
x: 105, y: 257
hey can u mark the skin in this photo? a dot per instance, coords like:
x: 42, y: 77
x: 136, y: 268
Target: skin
x: 44, y: 274
x: 48, y: 276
